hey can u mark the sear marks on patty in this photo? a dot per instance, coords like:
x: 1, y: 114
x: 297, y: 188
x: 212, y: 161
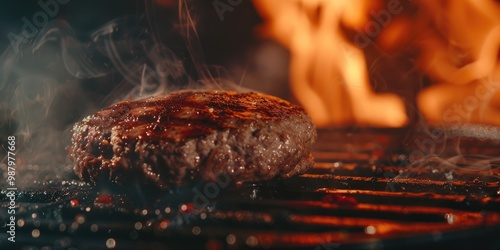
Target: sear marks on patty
x: 172, y: 140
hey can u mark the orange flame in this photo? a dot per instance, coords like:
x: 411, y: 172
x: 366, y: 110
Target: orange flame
x: 463, y: 63
x: 328, y: 73
x: 457, y: 44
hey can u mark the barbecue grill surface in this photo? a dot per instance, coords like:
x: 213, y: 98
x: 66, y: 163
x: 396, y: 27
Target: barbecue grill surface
x: 363, y: 193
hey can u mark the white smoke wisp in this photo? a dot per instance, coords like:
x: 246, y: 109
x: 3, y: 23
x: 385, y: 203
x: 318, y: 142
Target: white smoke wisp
x: 63, y: 75
x: 464, y: 168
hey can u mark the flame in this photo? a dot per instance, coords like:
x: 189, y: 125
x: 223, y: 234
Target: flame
x: 328, y: 73
x: 456, y: 44
x: 463, y: 63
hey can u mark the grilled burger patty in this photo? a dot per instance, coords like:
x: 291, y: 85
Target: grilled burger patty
x: 173, y: 139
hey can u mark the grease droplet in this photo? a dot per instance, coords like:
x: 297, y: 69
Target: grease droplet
x: 35, y: 233
x: 110, y: 243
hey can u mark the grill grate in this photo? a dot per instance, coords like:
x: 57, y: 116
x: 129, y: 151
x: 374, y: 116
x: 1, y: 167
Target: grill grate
x: 362, y: 194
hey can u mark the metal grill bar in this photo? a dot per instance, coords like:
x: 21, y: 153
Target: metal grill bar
x: 358, y: 196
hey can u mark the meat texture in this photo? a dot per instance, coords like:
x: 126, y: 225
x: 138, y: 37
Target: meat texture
x: 175, y: 139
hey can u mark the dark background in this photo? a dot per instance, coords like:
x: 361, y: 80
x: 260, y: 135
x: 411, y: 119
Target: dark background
x: 230, y: 45
x: 221, y: 41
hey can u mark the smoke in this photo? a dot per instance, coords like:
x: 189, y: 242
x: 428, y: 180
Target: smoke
x: 63, y: 74
x: 455, y: 155
x: 456, y: 168
x: 208, y: 76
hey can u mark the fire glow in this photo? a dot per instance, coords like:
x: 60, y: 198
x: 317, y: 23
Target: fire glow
x: 454, y: 43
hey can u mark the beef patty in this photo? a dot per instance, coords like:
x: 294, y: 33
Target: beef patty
x: 171, y: 140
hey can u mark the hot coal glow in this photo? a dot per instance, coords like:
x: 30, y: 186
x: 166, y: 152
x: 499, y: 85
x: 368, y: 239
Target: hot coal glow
x: 454, y: 45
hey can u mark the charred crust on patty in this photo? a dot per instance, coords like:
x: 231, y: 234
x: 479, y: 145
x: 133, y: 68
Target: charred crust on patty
x: 172, y: 140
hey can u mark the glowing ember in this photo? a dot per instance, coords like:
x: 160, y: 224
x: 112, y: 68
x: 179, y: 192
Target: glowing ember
x: 74, y: 202
x: 187, y: 208
x: 104, y: 199
x: 341, y: 200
